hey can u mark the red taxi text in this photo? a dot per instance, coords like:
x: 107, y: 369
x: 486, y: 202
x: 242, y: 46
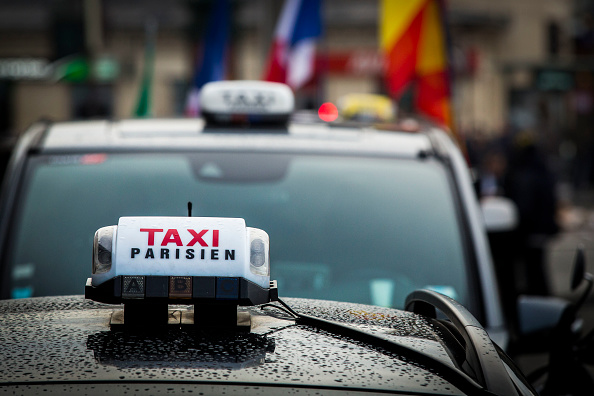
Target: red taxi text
x: 172, y: 236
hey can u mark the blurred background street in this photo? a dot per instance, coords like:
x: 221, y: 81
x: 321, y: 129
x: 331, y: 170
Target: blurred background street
x: 517, y: 74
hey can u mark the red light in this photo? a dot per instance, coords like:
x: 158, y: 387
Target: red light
x: 93, y: 159
x: 328, y: 112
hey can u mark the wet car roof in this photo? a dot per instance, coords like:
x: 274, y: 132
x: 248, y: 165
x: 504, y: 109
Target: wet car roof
x: 191, y: 134
x: 66, y: 341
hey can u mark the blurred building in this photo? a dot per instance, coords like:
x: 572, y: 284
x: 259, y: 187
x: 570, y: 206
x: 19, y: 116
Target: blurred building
x: 516, y: 63
x: 63, y: 59
x: 513, y: 63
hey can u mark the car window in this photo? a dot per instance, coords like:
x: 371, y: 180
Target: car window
x: 356, y: 229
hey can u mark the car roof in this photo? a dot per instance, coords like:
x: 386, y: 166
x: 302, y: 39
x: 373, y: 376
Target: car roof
x: 57, y: 340
x: 191, y: 134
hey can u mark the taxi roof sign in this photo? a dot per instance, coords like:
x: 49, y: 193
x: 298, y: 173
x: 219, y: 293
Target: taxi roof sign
x: 180, y: 258
x: 367, y: 107
x: 254, y: 102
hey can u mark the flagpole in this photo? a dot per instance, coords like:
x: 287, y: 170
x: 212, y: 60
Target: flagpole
x: 143, y: 104
x: 212, y: 56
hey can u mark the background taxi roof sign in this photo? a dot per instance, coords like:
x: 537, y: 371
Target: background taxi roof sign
x: 367, y: 107
x: 246, y: 102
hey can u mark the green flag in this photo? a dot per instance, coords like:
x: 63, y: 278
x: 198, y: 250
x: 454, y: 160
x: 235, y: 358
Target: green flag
x: 143, y: 105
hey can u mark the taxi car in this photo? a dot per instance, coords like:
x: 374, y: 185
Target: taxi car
x: 359, y: 215
x: 215, y: 324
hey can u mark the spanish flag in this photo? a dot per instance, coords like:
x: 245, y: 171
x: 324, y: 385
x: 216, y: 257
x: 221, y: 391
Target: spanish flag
x: 413, y: 40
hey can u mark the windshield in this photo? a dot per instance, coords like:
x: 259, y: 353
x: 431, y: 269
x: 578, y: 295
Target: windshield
x: 355, y: 229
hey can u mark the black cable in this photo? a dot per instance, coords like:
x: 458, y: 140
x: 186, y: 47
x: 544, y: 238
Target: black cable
x: 297, y: 315
x: 279, y: 308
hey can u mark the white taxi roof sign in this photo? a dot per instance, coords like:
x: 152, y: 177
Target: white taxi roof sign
x: 246, y: 98
x: 184, y: 246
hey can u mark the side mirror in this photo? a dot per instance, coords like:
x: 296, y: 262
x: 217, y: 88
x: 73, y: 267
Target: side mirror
x: 538, y: 316
x: 500, y: 214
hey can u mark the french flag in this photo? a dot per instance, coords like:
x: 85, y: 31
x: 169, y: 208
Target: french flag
x: 292, y: 57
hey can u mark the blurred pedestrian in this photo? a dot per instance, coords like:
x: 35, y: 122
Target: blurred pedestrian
x: 531, y: 185
x: 493, y: 170
x: 492, y: 182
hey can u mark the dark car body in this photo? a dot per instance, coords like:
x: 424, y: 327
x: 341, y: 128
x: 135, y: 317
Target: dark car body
x: 64, y: 345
